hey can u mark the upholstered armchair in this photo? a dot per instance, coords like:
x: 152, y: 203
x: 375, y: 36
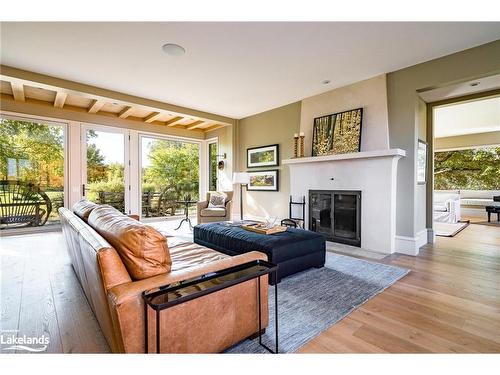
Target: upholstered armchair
x: 211, y: 214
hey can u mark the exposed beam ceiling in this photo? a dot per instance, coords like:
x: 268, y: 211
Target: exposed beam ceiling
x: 60, y: 99
x: 18, y: 91
x: 126, y: 112
x: 152, y: 117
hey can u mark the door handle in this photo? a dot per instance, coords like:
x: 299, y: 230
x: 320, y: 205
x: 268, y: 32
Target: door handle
x: 83, y: 190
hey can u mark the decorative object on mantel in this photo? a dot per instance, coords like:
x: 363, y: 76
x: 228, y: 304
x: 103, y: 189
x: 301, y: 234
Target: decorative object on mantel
x: 263, y: 229
x: 422, y: 162
x: 301, y: 152
x: 295, y: 145
x: 338, y: 133
x: 263, y: 156
x: 263, y: 180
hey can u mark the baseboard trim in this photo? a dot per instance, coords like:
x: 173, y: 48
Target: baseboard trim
x: 411, y: 245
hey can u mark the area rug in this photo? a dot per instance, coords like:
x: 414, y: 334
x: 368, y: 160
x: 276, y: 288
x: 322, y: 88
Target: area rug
x: 449, y: 229
x: 312, y: 301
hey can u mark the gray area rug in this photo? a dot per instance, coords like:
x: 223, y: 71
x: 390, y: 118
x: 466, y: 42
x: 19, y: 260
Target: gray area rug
x: 312, y: 301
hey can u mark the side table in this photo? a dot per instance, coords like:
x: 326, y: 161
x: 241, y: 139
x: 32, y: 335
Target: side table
x: 167, y: 296
x: 186, y: 213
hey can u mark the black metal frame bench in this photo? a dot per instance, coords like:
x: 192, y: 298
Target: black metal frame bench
x: 23, y: 203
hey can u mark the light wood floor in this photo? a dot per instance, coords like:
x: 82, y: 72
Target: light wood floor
x: 450, y: 302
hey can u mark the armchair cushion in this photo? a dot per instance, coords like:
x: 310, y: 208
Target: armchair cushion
x: 213, y: 212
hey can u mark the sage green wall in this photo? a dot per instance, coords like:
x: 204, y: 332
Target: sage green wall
x: 404, y: 122
x: 271, y: 127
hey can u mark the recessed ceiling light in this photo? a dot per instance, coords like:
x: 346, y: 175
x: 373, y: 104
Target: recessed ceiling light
x: 326, y: 82
x: 173, y: 49
x: 473, y: 84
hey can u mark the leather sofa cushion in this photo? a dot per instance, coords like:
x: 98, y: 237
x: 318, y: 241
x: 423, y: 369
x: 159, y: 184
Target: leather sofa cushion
x: 142, y: 248
x: 213, y: 212
x: 83, y: 208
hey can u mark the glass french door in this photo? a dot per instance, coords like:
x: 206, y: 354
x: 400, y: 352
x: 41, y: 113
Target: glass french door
x: 105, y: 166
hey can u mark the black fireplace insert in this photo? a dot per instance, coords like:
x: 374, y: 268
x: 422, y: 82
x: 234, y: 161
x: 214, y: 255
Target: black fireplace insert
x: 336, y: 214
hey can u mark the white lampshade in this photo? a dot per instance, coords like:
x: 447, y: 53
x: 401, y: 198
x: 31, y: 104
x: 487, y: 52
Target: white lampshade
x: 241, y: 178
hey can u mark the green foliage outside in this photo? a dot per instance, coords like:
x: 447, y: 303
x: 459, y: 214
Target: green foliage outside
x: 173, y: 168
x: 34, y: 152
x: 471, y: 169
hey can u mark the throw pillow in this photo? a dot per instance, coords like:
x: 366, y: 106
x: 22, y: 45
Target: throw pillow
x: 143, y: 250
x: 217, y: 200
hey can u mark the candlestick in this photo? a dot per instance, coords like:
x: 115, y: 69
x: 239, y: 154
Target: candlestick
x: 302, y: 145
x: 295, y: 145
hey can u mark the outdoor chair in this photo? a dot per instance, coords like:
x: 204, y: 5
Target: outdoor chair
x: 23, y: 203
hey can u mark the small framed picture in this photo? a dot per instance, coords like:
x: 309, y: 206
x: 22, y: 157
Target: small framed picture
x: 264, y: 180
x: 421, y: 162
x: 263, y: 156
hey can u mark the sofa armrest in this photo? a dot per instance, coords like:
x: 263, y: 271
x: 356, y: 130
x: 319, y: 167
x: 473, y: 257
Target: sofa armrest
x: 123, y: 292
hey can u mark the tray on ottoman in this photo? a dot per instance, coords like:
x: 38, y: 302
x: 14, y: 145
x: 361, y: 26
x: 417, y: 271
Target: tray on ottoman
x: 293, y: 251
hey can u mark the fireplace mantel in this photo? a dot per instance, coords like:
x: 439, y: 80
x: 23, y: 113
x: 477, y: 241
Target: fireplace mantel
x: 374, y: 173
x: 355, y: 155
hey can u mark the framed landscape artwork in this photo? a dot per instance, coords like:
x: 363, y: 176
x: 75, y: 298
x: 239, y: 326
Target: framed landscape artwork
x: 264, y: 180
x: 338, y: 133
x: 421, y: 162
x: 263, y: 156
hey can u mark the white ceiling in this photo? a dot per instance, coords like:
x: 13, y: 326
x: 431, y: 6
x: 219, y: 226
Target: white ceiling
x: 480, y: 116
x: 461, y: 89
x: 232, y: 69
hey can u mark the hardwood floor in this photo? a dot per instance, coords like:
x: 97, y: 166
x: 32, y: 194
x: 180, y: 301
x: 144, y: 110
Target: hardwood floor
x: 450, y: 302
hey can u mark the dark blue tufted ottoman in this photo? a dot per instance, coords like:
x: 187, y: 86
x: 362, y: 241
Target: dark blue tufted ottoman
x: 293, y: 251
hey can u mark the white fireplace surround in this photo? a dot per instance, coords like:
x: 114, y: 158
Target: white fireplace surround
x: 372, y: 172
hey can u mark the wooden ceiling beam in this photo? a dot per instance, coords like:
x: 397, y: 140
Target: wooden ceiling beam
x: 127, y: 111
x: 175, y: 121
x: 195, y: 124
x: 18, y: 91
x: 60, y: 99
x: 215, y: 127
x: 96, y: 105
x: 8, y: 73
x: 152, y: 117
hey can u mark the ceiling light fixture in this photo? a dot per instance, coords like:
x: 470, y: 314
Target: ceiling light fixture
x: 326, y: 82
x: 474, y: 84
x: 173, y: 49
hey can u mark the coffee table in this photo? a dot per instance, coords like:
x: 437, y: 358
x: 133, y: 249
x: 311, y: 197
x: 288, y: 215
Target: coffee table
x: 293, y: 251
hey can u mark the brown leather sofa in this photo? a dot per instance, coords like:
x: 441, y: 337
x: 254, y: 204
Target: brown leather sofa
x: 113, y: 283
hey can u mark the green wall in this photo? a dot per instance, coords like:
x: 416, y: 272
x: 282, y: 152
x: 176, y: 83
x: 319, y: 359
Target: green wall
x: 276, y: 126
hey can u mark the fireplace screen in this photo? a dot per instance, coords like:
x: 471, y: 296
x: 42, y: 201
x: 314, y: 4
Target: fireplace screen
x: 336, y: 215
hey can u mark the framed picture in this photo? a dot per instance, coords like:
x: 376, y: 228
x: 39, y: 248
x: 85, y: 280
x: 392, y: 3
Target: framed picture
x: 263, y: 180
x: 338, y: 133
x: 421, y: 162
x: 263, y: 156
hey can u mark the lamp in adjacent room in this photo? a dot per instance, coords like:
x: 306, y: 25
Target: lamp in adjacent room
x: 241, y: 178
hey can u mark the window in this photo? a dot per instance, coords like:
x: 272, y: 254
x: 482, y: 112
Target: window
x: 212, y: 166
x: 471, y: 169
x: 32, y: 172
x: 169, y: 173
